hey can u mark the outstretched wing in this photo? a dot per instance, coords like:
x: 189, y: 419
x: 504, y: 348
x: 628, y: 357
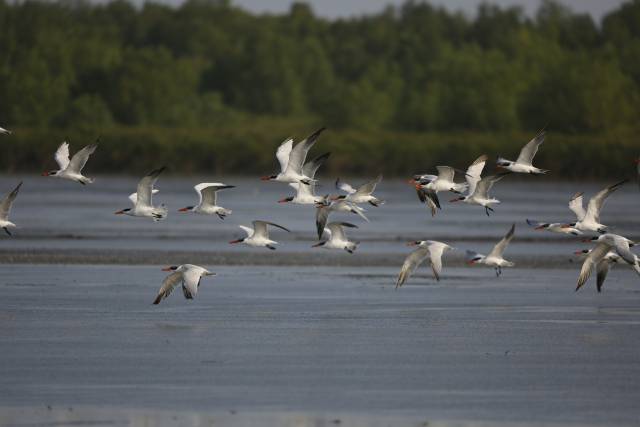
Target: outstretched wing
x: 597, y: 202
x: 145, y: 187
x: 190, y: 282
x: 5, y: 205
x: 62, y: 155
x: 322, y: 215
x: 369, y: 187
x: 347, y: 188
x: 299, y: 152
x: 80, y: 158
x: 446, y: 173
x: 575, y: 204
x: 484, y: 185
x: 337, y: 230
x: 592, y: 260
x: 207, y: 192
x: 602, y: 269
x: 260, y: 228
x: 311, y: 167
x: 474, y: 171
x: 498, y: 249
x: 530, y: 149
x: 436, y: 249
x: 283, y: 152
x: 168, y: 284
x: 411, y: 262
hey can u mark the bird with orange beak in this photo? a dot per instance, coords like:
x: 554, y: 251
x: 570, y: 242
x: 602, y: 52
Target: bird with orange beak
x: 187, y: 274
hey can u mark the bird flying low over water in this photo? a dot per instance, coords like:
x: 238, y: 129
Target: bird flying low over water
x: 5, y: 209
x: 363, y: 194
x: 72, y: 169
x: 442, y: 182
x: 523, y: 163
x: 597, y: 257
x: 187, y: 274
x: 208, y: 199
x: 292, y: 159
x: 142, y: 200
x: 259, y: 235
x: 555, y: 227
x: 589, y: 220
x: 478, y: 188
x: 495, y: 258
x: 337, y: 238
x: 5, y: 131
x: 325, y: 207
x: 603, y: 266
x: 426, y: 249
x: 305, y: 194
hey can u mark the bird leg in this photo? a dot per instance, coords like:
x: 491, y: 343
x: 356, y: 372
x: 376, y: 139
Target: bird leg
x: 6, y: 230
x: 487, y: 209
x: 271, y: 247
x: 220, y: 215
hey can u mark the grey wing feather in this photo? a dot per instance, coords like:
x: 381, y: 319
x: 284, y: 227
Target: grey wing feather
x: 5, y: 206
x: 529, y: 151
x: 299, y: 152
x: 168, y: 284
x: 446, y: 173
x: 410, y: 264
x: 80, y: 158
x: 322, y: 214
x: 310, y: 168
x: 597, y: 202
x: 592, y: 259
x: 602, y: 269
x: 484, y: 185
x: 369, y: 187
x: 145, y: 186
x: 498, y: 249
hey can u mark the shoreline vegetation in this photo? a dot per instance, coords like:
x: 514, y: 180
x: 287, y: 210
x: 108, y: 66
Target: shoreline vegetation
x: 207, y: 86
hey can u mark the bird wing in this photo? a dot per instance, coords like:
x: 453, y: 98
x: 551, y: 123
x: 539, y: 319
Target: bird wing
x: 5, y: 205
x: 322, y: 215
x: 168, y: 284
x: 145, y: 187
x: 357, y: 210
x: 597, y: 201
x: 299, y: 152
x: 436, y: 249
x: 311, y: 167
x: 535, y: 224
x: 484, y: 185
x: 575, y: 204
x: 134, y: 196
x: 369, y: 187
x: 347, y: 188
x: 191, y: 281
x: 446, y: 173
x: 80, y: 158
x: 411, y: 262
x: 247, y: 230
x: 498, y: 249
x: 62, y: 155
x: 337, y: 230
x: 260, y: 228
x: 207, y: 192
x: 474, y: 171
x: 622, y: 249
x: 283, y: 152
x: 602, y: 269
x: 590, y: 261
x: 530, y: 149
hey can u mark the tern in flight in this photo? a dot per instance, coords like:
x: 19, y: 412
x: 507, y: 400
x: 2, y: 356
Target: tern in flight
x: 325, y: 207
x: 523, y: 163
x: 363, y: 194
x: 5, y: 209
x: 258, y: 236
x: 187, y: 274
x: 478, y: 188
x: 495, y: 258
x: 142, y: 199
x: 72, y: 169
x: 305, y: 194
x: 292, y: 159
x: 208, y: 199
x: 555, y: 227
x: 337, y: 238
x: 425, y: 249
x: 602, y: 266
x: 589, y: 220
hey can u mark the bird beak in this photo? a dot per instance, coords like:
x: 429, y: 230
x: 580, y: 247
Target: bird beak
x: 586, y: 240
x: 578, y: 253
x: 540, y: 227
x: 45, y: 173
x: 455, y: 200
x: 167, y: 269
x: 265, y: 178
x: 412, y: 244
x: 285, y: 200
x: 183, y: 210
x: 236, y: 241
x: 317, y: 244
x: 411, y: 181
x: 119, y: 213
x: 471, y: 262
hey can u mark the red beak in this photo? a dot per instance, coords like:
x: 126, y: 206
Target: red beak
x: 282, y: 201
x: 265, y: 178
x: 167, y: 269
x: 539, y: 228
x: 471, y: 262
x: 236, y: 241
x: 577, y: 253
x: 119, y: 213
x: 412, y: 244
x: 183, y: 210
x: 45, y: 173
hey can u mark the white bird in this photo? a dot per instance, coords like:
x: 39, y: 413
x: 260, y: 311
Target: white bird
x: 142, y: 200
x: 5, y: 131
x: 72, y: 169
x: 523, y: 163
x: 479, y: 192
x: 134, y: 196
x: 292, y: 159
x: 305, y: 194
x: 621, y: 245
x: 495, y: 258
x: 443, y: 182
x: 258, y: 236
x: 589, y: 220
x: 426, y: 249
x: 603, y: 266
x: 208, y: 199
x: 325, y: 207
x: 187, y: 274
x: 5, y: 209
x: 555, y: 227
x: 363, y: 194
x: 337, y: 238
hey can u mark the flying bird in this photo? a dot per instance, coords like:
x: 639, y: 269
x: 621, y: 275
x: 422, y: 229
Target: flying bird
x: 258, y: 236
x: 589, y: 220
x: 325, y: 207
x: 523, y: 163
x: 187, y: 274
x: 444, y: 181
x: 72, y: 169
x: 337, y: 238
x: 495, y: 258
x: 142, y: 200
x: 478, y: 193
x: 363, y: 194
x: 305, y: 194
x: 621, y: 245
x: 208, y: 199
x: 603, y: 266
x: 5, y: 209
x: 292, y: 159
x: 555, y: 227
x: 426, y: 249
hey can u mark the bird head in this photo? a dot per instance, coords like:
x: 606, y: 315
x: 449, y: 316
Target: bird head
x: 415, y: 243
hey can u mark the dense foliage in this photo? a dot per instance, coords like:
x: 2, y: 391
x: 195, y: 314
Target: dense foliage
x: 208, y: 69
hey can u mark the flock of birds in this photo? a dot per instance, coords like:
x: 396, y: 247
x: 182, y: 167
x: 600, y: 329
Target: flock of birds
x: 300, y: 175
